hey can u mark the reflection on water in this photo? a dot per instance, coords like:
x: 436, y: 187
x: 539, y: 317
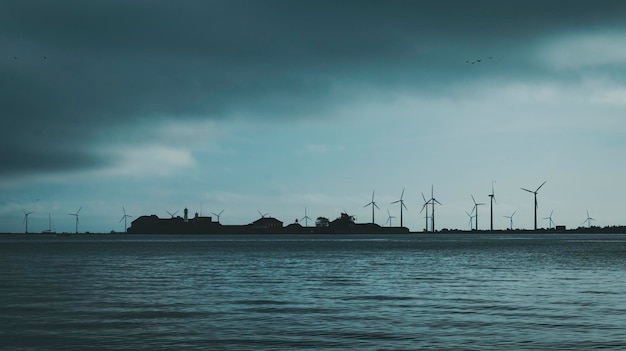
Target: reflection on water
x: 461, y: 292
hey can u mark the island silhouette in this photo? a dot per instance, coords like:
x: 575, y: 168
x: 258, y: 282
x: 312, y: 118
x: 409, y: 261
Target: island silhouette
x: 344, y: 224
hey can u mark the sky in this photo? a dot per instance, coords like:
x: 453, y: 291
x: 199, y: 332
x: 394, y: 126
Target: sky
x: 281, y: 106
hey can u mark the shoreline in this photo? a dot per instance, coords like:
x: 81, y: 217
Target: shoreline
x: 387, y: 232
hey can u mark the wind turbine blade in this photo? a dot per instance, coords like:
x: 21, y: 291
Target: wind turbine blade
x: 435, y: 200
x: 403, y: 205
x: 530, y: 191
x: 540, y: 186
x: 376, y: 205
x: 401, y: 195
x: 424, y: 197
x: 80, y: 208
x: 473, y: 199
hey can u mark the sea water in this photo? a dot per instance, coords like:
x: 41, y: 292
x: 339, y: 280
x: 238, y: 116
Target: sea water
x: 300, y: 292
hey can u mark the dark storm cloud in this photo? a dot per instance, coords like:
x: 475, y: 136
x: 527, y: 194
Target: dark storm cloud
x: 71, y: 69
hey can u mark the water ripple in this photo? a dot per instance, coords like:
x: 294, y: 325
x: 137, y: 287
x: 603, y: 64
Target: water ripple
x: 313, y: 293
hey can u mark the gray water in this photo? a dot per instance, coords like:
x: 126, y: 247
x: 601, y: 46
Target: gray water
x: 410, y: 292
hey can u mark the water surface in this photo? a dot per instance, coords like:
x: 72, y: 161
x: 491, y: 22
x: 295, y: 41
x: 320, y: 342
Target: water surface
x: 406, y: 292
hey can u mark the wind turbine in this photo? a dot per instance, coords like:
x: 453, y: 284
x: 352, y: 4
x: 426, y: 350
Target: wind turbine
x: 401, y: 205
x: 76, y: 215
x: 389, y: 218
x: 25, y: 221
x: 492, y: 197
x: 535, y: 192
x: 588, y: 220
x: 373, y: 204
x: 425, y: 206
x: 470, y: 219
x: 432, y: 202
x: 172, y: 214
x: 218, y: 215
x: 262, y: 214
x: 511, y: 219
x: 305, y: 218
x: 476, y: 208
x: 123, y: 218
x: 550, y: 223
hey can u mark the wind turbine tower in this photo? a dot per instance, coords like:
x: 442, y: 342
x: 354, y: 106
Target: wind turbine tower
x: 432, y: 202
x: 425, y: 206
x: 589, y: 219
x: 305, y: 218
x: 511, y: 219
x: 76, y: 215
x: 535, y: 192
x: 124, y: 219
x: 26, y: 214
x: 470, y: 218
x: 389, y: 217
x: 218, y: 215
x: 401, y: 205
x: 550, y: 221
x: 492, y: 197
x: 373, y: 204
x: 476, y: 209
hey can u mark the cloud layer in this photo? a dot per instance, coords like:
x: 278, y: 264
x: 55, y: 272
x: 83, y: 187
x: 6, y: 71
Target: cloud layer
x: 73, y: 69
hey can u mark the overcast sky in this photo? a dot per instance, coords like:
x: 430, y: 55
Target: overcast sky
x: 274, y: 106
